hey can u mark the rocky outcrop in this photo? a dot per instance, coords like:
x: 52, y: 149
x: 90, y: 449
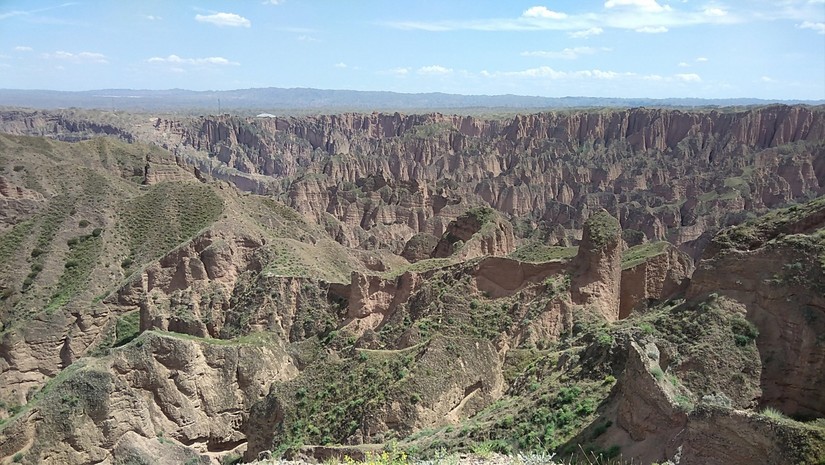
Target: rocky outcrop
x: 387, y: 177
x: 16, y: 203
x: 419, y: 247
x: 476, y: 233
x: 597, y: 271
x: 773, y: 266
x: 189, y: 289
x: 498, y: 277
x: 544, y: 180
x: 655, y: 279
x: 373, y: 298
x: 645, y: 406
x: 449, y: 378
x: 160, y: 388
x: 661, y: 429
x: 720, y: 436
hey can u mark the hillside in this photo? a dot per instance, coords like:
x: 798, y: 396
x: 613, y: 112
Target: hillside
x: 638, y: 284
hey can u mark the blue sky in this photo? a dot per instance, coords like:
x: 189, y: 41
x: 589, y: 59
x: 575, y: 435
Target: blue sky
x: 601, y: 48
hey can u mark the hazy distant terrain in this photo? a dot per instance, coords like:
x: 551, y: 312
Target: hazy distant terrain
x: 274, y: 100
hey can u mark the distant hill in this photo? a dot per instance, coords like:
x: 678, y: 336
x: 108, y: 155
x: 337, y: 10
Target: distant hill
x: 278, y: 100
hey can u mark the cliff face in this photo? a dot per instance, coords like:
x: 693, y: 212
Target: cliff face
x: 371, y: 171
x: 260, y: 331
x: 775, y: 267
x: 162, y: 388
x: 375, y: 180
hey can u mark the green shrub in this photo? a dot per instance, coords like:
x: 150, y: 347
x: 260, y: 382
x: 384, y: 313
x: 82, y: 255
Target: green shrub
x: 744, y: 332
x: 773, y: 414
x: 83, y: 223
x: 18, y: 457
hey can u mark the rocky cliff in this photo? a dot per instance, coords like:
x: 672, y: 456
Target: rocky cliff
x: 150, y: 311
x: 375, y: 180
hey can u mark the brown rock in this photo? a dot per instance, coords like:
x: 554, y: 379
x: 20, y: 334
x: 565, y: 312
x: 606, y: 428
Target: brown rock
x: 656, y: 279
x: 598, y: 266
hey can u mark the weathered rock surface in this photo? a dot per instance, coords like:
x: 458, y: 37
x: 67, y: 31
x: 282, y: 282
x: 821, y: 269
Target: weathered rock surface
x: 194, y: 393
x: 774, y: 268
x: 16, y: 203
x: 382, y: 178
x: 655, y: 279
x: 598, y: 266
x: 474, y: 234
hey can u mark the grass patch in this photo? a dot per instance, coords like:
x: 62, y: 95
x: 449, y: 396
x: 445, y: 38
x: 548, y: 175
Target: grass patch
x: 773, y: 414
x: 79, y: 264
x: 603, y: 228
x: 12, y: 240
x: 127, y: 328
x: 536, y: 252
x: 641, y: 253
x: 166, y: 216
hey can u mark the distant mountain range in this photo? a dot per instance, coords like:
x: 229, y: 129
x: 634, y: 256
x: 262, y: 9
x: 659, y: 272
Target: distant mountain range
x: 279, y: 100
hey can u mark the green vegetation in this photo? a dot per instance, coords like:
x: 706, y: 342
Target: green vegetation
x: 557, y: 284
x: 334, y: 399
x: 773, y: 414
x: 80, y: 261
x: 421, y: 266
x: 773, y: 224
x: 641, y: 253
x: 744, y: 332
x: 603, y: 229
x: 166, y: 216
x: 536, y: 252
x: 12, y: 240
x: 481, y: 215
x: 127, y: 328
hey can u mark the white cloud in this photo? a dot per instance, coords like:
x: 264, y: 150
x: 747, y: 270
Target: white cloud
x: 434, y: 70
x: 585, y: 33
x: 683, y: 64
x: 566, y: 54
x: 715, y: 12
x: 308, y: 38
x: 547, y: 73
x: 224, y: 19
x: 22, y: 48
x: 274, y: 2
x: 174, y: 59
x: 701, y: 59
x: 399, y: 71
x: 692, y: 77
x: 644, y: 5
x: 152, y: 17
x: 341, y: 65
x: 643, y: 15
x: 766, y: 79
x: 82, y: 57
x: 542, y: 12
x: 651, y: 29
x: 819, y: 28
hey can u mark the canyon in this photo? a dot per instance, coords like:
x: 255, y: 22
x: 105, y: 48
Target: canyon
x: 181, y: 289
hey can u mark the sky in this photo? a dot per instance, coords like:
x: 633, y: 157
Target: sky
x: 771, y: 49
